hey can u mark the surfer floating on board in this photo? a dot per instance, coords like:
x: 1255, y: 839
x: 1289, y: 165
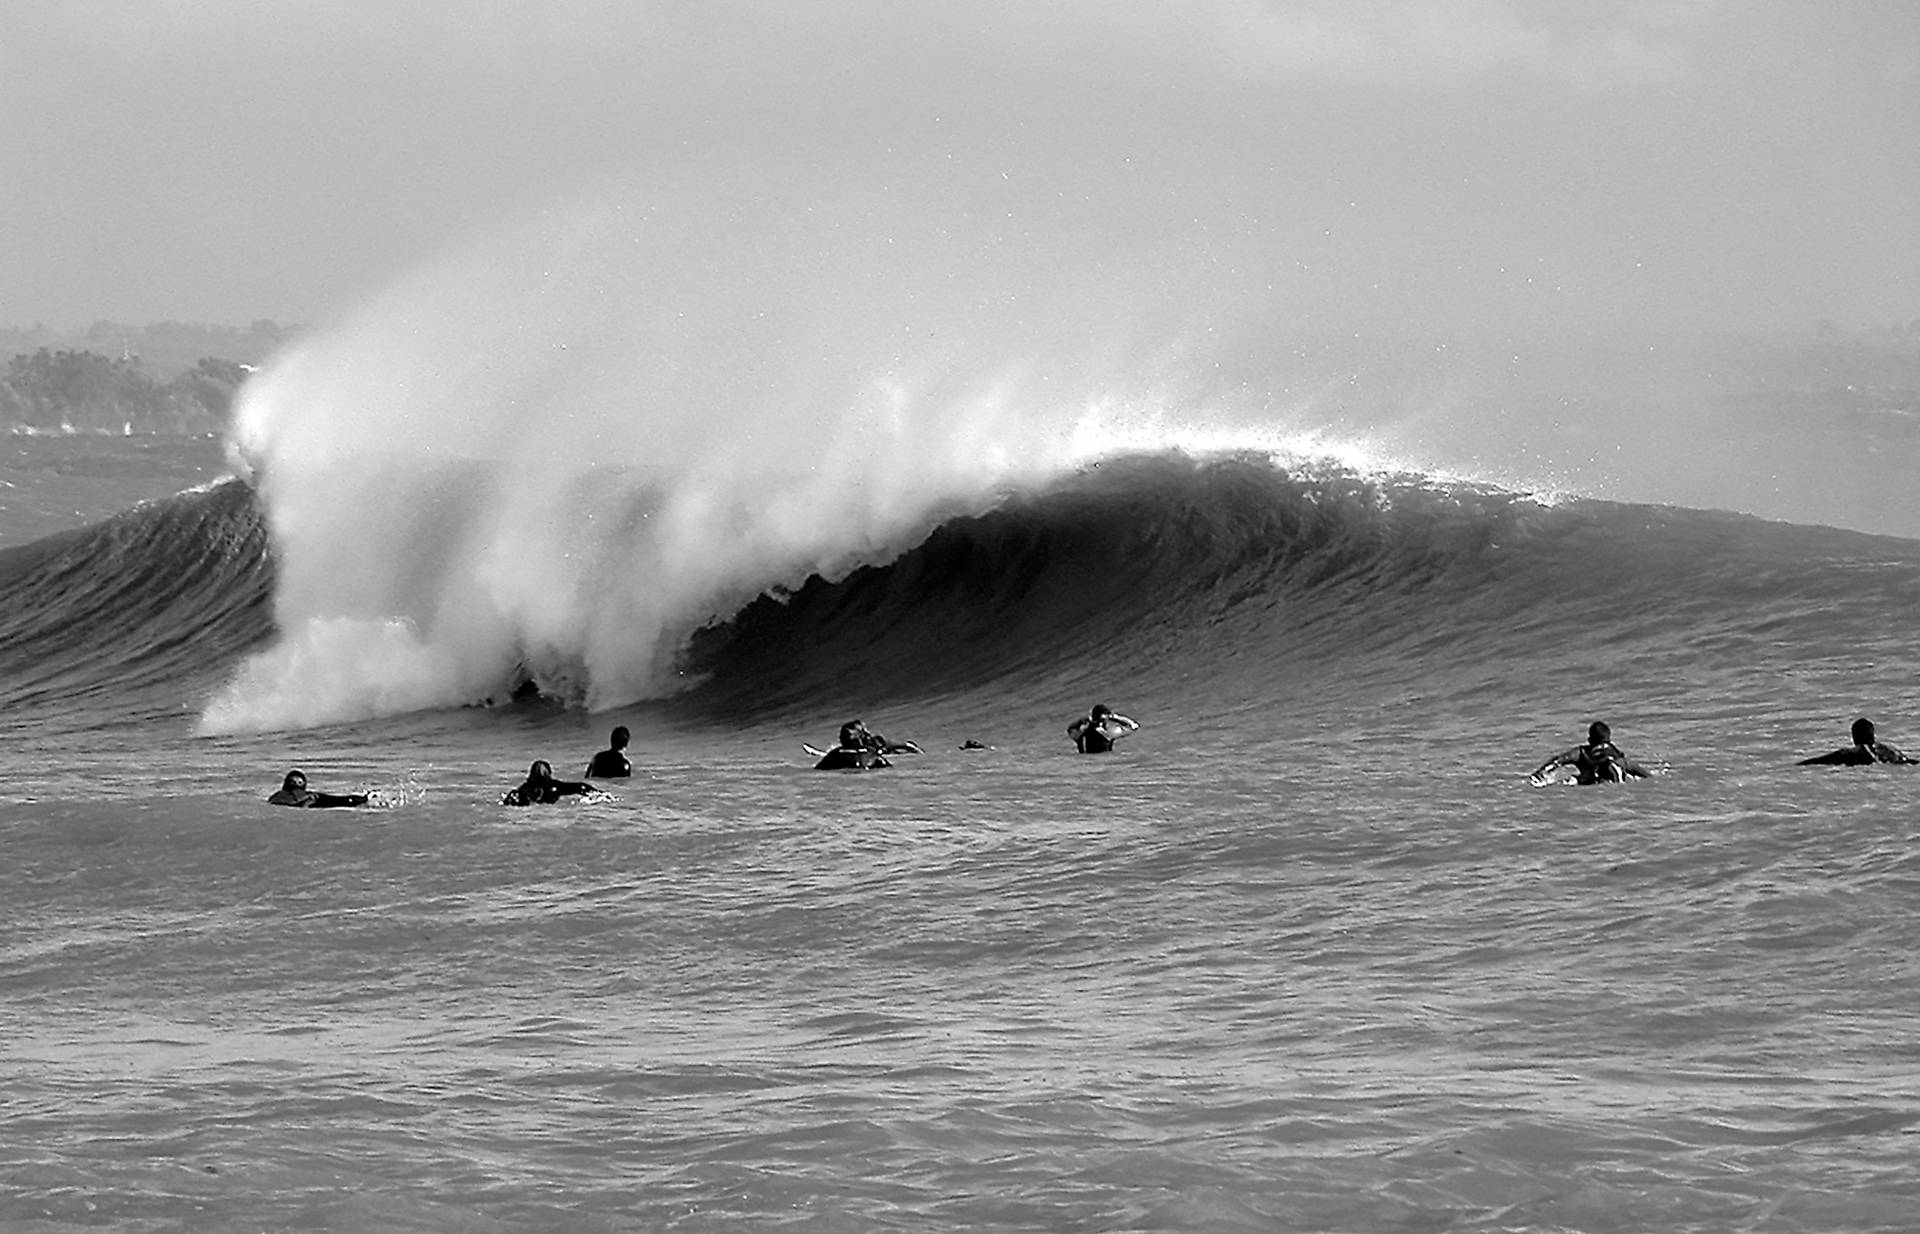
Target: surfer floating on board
x: 1095, y: 732
x: 1864, y: 750
x: 294, y: 792
x: 1597, y: 762
x: 540, y: 788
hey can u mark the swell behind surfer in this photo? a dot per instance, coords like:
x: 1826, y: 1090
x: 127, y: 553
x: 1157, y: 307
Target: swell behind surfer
x: 1863, y: 751
x: 1599, y: 761
x: 1095, y: 732
x: 294, y: 792
x: 540, y: 788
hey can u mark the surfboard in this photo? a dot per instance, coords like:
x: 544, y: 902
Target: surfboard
x: 902, y: 747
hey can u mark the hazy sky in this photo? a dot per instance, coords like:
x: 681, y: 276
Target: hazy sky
x: 1482, y: 164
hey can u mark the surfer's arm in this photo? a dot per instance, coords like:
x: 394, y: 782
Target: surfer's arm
x: 307, y: 800
x: 1559, y: 760
x: 1126, y: 725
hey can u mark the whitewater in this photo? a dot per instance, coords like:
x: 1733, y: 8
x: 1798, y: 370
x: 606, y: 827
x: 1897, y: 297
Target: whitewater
x: 1305, y: 953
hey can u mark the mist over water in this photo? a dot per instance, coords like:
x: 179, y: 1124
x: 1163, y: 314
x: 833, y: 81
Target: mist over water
x: 563, y: 447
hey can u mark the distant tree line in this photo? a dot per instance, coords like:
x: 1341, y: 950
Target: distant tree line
x: 83, y: 391
x: 164, y: 347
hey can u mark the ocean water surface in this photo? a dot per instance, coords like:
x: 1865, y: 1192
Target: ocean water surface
x: 1305, y: 953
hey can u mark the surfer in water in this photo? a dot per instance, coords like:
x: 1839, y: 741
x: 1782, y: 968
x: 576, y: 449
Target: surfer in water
x: 1597, y: 762
x: 861, y: 749
x: 1095, y: 732
x: 294, y: 792
x: 542, y: 789
x: 611, y: 763
x: 1864, y: 750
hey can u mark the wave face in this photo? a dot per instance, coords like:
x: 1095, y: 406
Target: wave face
x: 135, y: 618
x: 1226, y: 585
x: 1216, y: 585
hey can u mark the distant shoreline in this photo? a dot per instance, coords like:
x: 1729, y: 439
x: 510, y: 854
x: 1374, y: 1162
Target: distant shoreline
x: 163, y: 349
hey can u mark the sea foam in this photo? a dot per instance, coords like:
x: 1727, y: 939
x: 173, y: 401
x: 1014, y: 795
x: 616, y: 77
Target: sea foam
x: 563, y: 446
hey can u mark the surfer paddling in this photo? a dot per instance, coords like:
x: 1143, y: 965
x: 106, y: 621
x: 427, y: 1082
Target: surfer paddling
x: 294, y: 792
x: 1864, y: 750
x: 1599, y: 761
x: 1095, y: 732
x: 861, y: 749
x: 541, y: 789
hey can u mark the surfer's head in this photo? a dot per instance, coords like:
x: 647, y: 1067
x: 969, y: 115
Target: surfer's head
x: 620, y: 737
x: 1100, y: 711
x: 1863, y: 732
x: 296, y: 781
x: 1598, y: 734
x: 541, y: 770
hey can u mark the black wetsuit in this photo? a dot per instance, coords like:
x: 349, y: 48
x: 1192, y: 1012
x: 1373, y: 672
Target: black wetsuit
x: 1598, y: 763
x: 609, y: 765
x: 1090, y: 736
x: 307, y: 800
x: 544, y: 792
x: 1860, y: 756
x: 1093, y: 740
x: 863, y: 757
